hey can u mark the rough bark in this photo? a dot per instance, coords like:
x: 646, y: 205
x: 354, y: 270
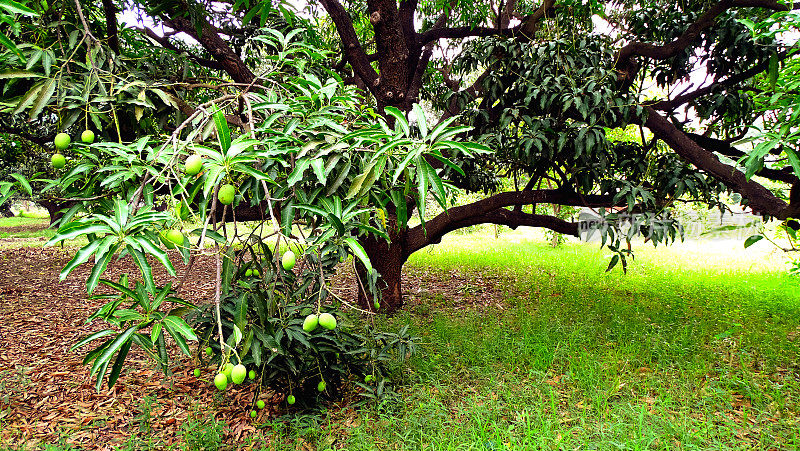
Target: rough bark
x: 110, y: 11
x: 55, y: 208
x: 388, y: 259
x: 215, y: 45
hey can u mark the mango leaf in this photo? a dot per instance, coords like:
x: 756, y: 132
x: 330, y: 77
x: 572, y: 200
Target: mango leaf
x: 237, y: 335
x: 318, y: 165
x: 299, y: 169
x: 75, y: 229
x: 23, y: 182
x: 752, y: 240
x: 144, y: 266
x: 45, y: 94
x: 358, y: 182
x: 223, y: 132
x: 9, y: 44
x: 90, y: 338
x: 178, y: 324
x: 27, y: 99
x: 359, y: 252
x: 422, y: 123
x: 17, y: 73
x: 111, y: 349
x: 80, y: 257
x: 101, y: 263
x: 177, y: 336
x: 117, y: 368
x: 17, y: 8
x: 399, y: 119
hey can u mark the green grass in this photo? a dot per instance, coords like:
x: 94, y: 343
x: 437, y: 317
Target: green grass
x: 695, y: 348
x: 24, y: 227
x: 678, y: 353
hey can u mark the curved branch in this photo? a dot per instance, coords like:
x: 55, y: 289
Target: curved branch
x: 525, y: 30
x: 760, y: 199
x: 625, y: 58
x: 723, y: 148
x: 211, y: 41
x: 484, y: 210
x: 705, y: 21
x: 510, y: 218
x: 671, y: 104
x: 352, y: 47
x: 165, y: 42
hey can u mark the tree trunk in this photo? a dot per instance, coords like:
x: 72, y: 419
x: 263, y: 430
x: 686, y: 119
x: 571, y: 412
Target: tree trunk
x: 54, y: 208
x: 5, y: 210
x: 388, y: 260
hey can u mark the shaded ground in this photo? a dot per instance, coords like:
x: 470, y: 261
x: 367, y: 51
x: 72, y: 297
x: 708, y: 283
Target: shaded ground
x: 47, y: 393
x: 47, y: 396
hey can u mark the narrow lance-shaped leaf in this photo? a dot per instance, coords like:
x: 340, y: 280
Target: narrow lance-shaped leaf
x: 86, y: 340
x: 100, y: 266
x: 359, y: 252
x: 113, y: 348
x: 117, y: 368
x: 223, y: 132
x: 422, y: 122
x: 80, y: 257
x: 45, y: 94
x: 17, y: 8
x: 144, y: 267
x: 399, y: 119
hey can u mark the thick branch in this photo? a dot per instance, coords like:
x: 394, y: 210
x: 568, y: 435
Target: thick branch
x: 419, y: 236
x: 760, y: 199
x: 406, y: 13
x: 465, y: 32
x: 705, y: 21
x: 215, y: 45
x: 352, y: 47
x: 110, y: 11
x: 625, y: 58
x: 165, y: 42
x: 529, y: 25
x: 394, y: 53
x: 504, y: 217
x: 524, y: 30
x: 724, y: 148
x: 671, y: 104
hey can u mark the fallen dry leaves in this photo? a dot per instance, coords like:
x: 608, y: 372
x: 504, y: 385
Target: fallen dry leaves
x: 46, y: 394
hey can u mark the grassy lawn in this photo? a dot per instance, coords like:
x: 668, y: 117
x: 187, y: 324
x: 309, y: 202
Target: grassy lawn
x: 695, y: 348
x: 692, y: 349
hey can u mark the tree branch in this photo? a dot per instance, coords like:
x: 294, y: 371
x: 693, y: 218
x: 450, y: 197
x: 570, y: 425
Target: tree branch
x: 352, y: 47
x: 529, y: 25
x: 724, y: 148
x: 165, y: 42
x: 419, y: 236
x: 215, y: 45
x: 671, y: 104
x: 660, y: 52
x: 510, y: 218
x: 110, y: 11
x: 406, y: 14
x: 760, y: 199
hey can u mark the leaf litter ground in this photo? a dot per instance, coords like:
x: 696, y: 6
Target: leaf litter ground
x: 47, y: 395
